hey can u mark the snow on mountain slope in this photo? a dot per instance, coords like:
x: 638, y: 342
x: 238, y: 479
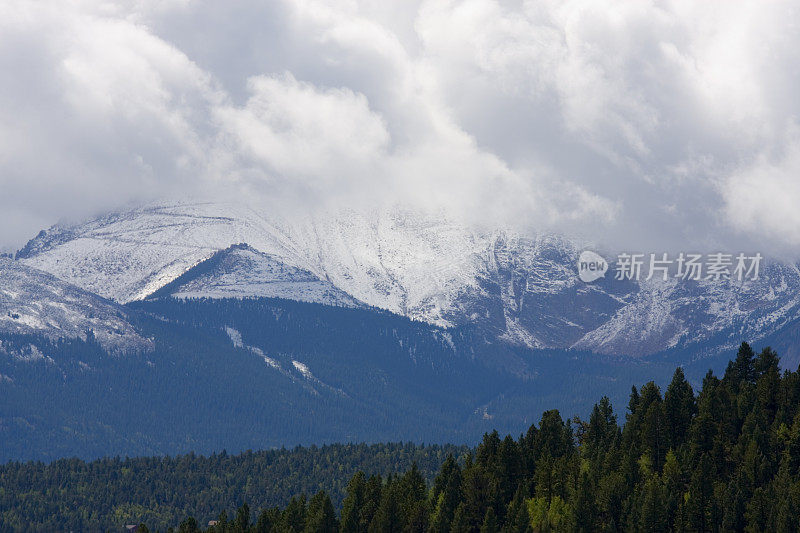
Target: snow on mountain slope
x: 516, y: 288
x: 407, y: 264
x: 241, y: 271
x: 35, y: 302
x: 663, y: 314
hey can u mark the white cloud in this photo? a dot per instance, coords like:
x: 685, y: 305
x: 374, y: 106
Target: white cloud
x: 764, y: 197
x: 296, y: 130
x: 94, y: 111
x: 651, y: 124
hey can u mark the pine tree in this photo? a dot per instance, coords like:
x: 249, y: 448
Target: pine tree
x: 652, y: 513
x: 477, y: 494
x: 508, y: 469
x: 412, y: 491
x: 554, y: 437
x: 650, y: 426
x: 517, y: 517
x: 633, y: 401
x: 294, y: 517
x: 388, y: 518
x: 352, y: 506
x: 373, y: 494
x: 742, y: 369
x: 734, y: 506
x: 601, y: 431
x: 766, y: 361
x: 446, y: 495
x: 188, y: 526
x: 673, y: 478
x: 242, y: 522
x: 267, y: 519
x: 460, y: 522
x: 679, y: 408
x: 489, y: 522
x: 585, y: 506
x: 700, y: 497
x: 758, y: 511
x: 320, y: 517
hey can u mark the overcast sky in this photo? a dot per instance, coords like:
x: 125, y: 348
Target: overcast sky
x: 642, y: 125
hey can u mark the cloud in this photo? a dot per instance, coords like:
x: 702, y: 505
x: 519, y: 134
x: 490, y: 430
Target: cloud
x: 319, y: 137
x: 765, y: 194
x: 648, y: 126
x: 94, y: 111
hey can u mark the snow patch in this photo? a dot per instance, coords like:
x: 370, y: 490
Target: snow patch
x: 235, y: 336
x: 303, y: 369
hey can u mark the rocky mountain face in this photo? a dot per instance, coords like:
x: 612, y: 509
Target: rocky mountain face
x: 324, y: 351
x: 35, y: 302
x: 241, y: 271
x: 521, y: 289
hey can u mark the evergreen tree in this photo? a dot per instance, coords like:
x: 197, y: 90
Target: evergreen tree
x: 294, y: 517
x: 320, y: 517
x: 489, y: 522
x: 460, y: 522
x: 388, y: 518
x: 242, y: 522
x: 352, y: 519
x: 679, y: 409
x: 652, y: 511
x: 700, y: 502
x: 517, y: 517
x: 586, y: 519
x: 758, y: 511
x: 600, y: 432
x: 673, y: 478
x: 412, y: 491
x: 373, y: 494
x: 188, y: 526
x: 477, y: 495
x: 554, y: 438
x: 267, y: 519
x: 742, y: 369
x: 446, y: 495
x: 508, y: 468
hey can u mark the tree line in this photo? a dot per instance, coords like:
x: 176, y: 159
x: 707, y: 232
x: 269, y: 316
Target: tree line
x: 725, y: 459
x: 77, y: 495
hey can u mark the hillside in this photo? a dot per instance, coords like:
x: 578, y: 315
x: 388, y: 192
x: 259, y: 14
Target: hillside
x: 519, y: 289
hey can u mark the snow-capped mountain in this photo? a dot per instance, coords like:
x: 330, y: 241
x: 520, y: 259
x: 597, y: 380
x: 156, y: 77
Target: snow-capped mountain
x: 35, y: 302
x: 408, y: 264
x: 517, y: 288
x: 240, y: 271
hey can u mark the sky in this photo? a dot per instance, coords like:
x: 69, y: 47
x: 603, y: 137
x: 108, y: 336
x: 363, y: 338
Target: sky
x: 641, y: 125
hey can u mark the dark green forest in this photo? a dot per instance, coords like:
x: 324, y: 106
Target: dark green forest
x: 377, y: 377
x: 71, y: 494
x: 726, y: 459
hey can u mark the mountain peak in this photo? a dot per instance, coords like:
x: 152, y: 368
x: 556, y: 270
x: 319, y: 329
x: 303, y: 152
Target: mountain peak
x: 241, y: 271
x: 520, y: 289
x: 35, y: 302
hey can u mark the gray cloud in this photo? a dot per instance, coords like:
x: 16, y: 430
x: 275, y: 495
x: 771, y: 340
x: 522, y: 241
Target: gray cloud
x: 646, y: 126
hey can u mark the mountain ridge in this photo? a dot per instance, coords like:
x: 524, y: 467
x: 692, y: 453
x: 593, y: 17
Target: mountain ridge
x: 519, y: 289
x: 36, y: 302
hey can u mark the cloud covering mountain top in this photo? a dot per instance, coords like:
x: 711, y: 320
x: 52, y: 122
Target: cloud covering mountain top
x: 644, y: 125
